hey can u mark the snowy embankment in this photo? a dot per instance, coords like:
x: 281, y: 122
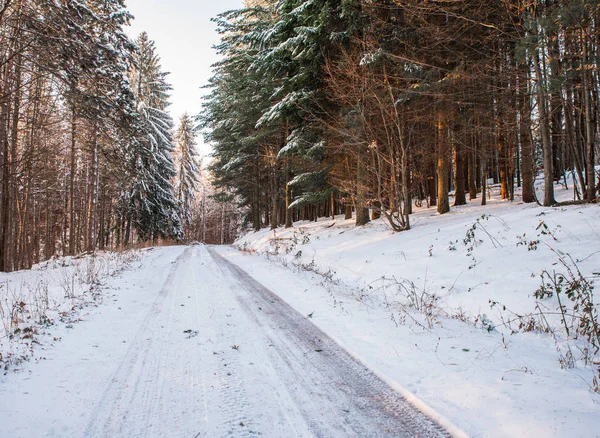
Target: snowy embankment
x: 52, y: 295
x: 449, y: 309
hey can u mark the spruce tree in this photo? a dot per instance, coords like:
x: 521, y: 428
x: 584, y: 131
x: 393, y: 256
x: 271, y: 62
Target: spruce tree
x: 243, y: 157
x: 304, y: 37
x: 151, y: 199
x: 268, y: 101
x: 187, y: 167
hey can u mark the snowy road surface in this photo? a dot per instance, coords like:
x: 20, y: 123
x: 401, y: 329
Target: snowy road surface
x: 213, y: 353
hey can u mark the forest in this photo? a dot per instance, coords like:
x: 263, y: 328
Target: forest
x: 324, y: 107
x: 317, y: 108
x: 90, y: 158
x: 302, y: 218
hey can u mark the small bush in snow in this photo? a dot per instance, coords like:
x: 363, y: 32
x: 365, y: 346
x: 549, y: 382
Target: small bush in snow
x: 574, y: 294
x: 565, y: 310
x: 54, y: 291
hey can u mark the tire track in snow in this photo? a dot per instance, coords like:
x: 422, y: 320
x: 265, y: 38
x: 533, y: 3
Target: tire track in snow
x: 233, y: 400
x: 169, y: 384
x: 227, y: 406
x: 114, y: 409
x: 327, y: 381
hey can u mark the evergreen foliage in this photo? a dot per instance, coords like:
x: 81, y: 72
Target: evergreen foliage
x: 187, y: 167
x: 268, y: 96
x: 153, y: 204
x: 324, y: 106
x: 85, y: 139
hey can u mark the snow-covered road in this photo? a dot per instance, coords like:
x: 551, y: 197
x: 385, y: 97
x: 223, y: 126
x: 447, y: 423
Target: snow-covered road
x: 210, y: 352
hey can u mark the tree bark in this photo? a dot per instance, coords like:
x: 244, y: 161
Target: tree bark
x: 527, y: 162
x: 547, y: 145
x: 502, y: 161
x: 347, y: 212
x: 72, y: 247
x: 443, y: 167
x: 93, y: 190
x: 589, y: 130
x: 274, y: 198
x: 288, y: 198
x: 5, y: 149
x: 460, y: 197
x: 362, y: 212
x: 472, y: 169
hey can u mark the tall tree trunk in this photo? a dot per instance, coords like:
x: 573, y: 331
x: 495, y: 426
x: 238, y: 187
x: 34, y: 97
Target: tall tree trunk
x: 556, y: 116
x: 472, y: 168
x: 332, y: 206
x: 443, y: 167
x: 460, y: 197
x: 406, y: 210
x: 10, y: 243
x: 274, y: 197
x: 362, y: 212
x: 72, y: 247
x: 546, y: 143
x: 571, y: 140
x: 527, y: 162
x: 5, y: 150
x: 256, y: 220
x: 502, y: 160
x: 289, y: 223
x: 127, y: 236
x: 93, y: 190
x: 589, y: 128
x: 484, y: 186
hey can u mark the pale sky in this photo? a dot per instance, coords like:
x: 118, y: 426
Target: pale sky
x: 184, y: 37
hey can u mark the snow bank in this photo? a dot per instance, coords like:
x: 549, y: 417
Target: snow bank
x: 53, y: 292
x: 449, y: 309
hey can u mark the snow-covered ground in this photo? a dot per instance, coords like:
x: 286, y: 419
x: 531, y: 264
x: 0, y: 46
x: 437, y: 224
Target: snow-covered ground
x: 195, y: 341
x: 54, y: 293
x: 447, y: 310
x: 67, y: 364
x: 185, y: 344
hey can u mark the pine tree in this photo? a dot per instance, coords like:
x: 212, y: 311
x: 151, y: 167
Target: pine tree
x: 65, y: 65
x: 151, y: 199
x: 382, y: 104
x: 187, y: 167
x: 305, y: 36
x: 268, y: 93
x: 244, y: 160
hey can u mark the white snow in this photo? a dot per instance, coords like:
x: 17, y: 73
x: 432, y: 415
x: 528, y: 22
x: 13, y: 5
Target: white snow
x: 184, y: 346
x: 53, y: 393
x: 490, y: 383
x: 170, y: 342
x: 53, y: 292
